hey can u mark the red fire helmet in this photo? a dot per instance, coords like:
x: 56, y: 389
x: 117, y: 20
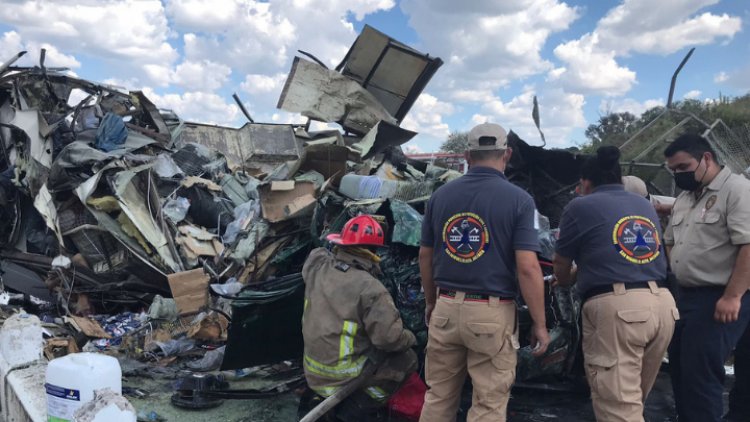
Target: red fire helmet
x: 360, y: 230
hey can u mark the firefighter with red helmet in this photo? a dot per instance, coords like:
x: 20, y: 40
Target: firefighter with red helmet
x: 349, y: 315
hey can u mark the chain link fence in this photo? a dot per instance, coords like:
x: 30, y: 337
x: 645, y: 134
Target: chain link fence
x: 732, y: 146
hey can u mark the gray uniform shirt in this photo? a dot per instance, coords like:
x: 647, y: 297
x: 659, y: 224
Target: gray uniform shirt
x: 613, y: 236
x: 475, y: 224
x: 706, y: 231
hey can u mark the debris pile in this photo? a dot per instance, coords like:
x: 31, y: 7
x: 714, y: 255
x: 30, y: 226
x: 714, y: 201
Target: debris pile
x: 181, y: 244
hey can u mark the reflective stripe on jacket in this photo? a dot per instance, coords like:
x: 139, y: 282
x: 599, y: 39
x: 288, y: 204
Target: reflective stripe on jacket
x: 348, y: 313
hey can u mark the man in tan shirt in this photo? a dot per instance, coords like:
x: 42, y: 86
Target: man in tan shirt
x: 708, y: 242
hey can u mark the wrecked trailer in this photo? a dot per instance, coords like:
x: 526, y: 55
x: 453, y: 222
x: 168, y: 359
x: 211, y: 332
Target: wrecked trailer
x: 51, y: 145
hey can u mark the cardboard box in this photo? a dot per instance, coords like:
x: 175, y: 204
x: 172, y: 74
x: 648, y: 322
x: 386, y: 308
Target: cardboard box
x: 280, y: 205
x: 190, y: 290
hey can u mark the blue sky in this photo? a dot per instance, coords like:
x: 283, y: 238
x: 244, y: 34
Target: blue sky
x: 581, y: 58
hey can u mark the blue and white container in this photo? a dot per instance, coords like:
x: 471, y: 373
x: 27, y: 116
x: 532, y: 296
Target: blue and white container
x: 72, y: 380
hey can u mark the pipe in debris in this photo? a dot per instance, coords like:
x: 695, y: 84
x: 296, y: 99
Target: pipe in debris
x: 332, y: 401
x: 7, y: 64
x: 242, y: 108
x: 674, y: 76
x: 315, y: 59
x: 247, y: 114
x: 47, y: 83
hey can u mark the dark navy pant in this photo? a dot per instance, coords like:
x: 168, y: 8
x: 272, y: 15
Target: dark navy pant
x: 739, y: 398
x: 699, y: 348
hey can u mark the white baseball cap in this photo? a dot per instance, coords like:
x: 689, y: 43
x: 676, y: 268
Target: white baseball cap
x: 492, y: 135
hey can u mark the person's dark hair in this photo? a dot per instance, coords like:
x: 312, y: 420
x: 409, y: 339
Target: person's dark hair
x: 691, y: 143
x: 604, y: 167
x: 493, y: 154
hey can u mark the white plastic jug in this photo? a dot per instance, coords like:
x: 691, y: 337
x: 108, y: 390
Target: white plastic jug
x: 72, y: 379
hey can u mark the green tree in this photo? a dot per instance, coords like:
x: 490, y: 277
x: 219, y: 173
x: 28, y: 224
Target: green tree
x: 656, y: 129
x: 457, y: 143
x: 610, y: 129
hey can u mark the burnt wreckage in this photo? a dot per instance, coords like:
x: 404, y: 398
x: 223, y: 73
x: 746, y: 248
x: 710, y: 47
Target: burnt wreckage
x: 111, y: 205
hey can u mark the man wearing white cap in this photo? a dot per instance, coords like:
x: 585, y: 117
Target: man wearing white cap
x: 477, y: 234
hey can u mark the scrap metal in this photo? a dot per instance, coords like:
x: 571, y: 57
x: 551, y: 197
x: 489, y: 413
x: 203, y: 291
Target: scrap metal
x: 110, y: 206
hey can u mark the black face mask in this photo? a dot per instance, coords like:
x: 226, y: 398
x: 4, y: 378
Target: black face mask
x: 686, y: 180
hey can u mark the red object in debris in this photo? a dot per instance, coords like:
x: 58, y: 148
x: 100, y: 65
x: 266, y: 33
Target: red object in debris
x: 407, y: 402
x: 360, y: 230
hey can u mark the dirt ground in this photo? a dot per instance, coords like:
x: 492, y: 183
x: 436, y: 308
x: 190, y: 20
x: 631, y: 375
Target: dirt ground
x: 526, y: 405
x: 537, y: 406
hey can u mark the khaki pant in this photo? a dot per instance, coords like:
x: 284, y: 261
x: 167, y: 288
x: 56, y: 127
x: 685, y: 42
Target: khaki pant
x: 474, y: 337
x: 625, y: 337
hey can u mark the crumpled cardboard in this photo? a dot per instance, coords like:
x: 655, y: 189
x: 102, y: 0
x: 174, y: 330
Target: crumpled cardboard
x: 286, y: 200
x: 190, y: 290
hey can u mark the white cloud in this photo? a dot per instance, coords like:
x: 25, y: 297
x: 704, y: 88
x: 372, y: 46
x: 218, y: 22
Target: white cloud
x: 560, y: 113
x: 260, y: 37
x: 738, y: 79
x: 721, y: 77
x: 316, y: 126
x: 256, y: 41
x: 426, y: 117
x: 53, y: 57
x: 589, y: 70
x: 692, y: 95
x: 197, y: 106
x: 12, y: 43
x: 663, y: 27
x: 630, y: 105
x: 209, y: 16
x: 487, y: 44
x: 262, y: 84
x: 159, y: 75
x: 129, y: 84
x: 412, y: 148
x: 192, y: 75
x: 284, y: 117
x: 135, y: 29
x: 261, y: 96
x: 702, y: 30
x: 472, y: 95
x: 202, y: 75
x: 636, y: 26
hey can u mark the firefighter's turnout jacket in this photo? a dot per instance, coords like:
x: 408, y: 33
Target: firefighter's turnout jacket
x: 348, y: 314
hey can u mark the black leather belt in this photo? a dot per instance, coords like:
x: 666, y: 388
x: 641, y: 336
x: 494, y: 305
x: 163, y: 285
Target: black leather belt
x: 471, y: 296
x: 600, y: 290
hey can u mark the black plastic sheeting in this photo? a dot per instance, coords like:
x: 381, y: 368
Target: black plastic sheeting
x: 266, y: 324
x: 23, y: 280
x: 549, y: 175
x: 400, y: 266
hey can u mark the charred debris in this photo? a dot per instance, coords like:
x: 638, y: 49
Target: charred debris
x: 131, y: 231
